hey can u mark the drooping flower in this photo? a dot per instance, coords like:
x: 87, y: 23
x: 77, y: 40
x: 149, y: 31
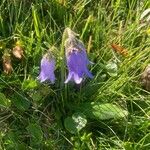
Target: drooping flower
x: 18, y: 50
x: 7, y: 65
x: 77, y: 60
x: 47, y: 68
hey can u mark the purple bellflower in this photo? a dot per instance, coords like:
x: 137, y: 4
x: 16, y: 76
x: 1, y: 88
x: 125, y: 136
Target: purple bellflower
x: 77, y: 60
x: 47, y: 68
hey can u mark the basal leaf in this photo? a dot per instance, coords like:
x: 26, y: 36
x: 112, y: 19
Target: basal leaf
x: 70, y: 125
x: 20, y: 102
x: 76, y: 123
x: 35, y: 132
x: 112, y: 69
x: 103, y: 111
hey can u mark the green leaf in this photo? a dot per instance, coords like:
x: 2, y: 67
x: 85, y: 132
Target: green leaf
x: 103, y: 111
x: 35, y: 132
x: 21, y: 102
x: 12, y: 141
x: 41, y: 92
x: 76, y: 123
x: 80, y: 120
x: 70, y: 125
x: 112, y: 69
x: 128, y: 146
x: 4, y: 102
x: 35, y: 21
x: 29, y: 84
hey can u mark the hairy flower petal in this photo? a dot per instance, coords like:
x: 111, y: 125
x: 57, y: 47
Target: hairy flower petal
x: 76, y: 56
x: 77, y: 62
x: 77, y: 79
x: 47, y: 69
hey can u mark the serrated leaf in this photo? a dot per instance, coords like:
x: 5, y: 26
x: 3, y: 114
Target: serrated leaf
x: 103, y: 111
x: 36, y: 132
x: 76, y: 123
x: 4, y: 102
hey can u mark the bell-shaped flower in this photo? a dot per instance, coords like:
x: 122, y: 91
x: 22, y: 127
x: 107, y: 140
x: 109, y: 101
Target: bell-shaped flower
x: 47, y: 68
x: 77, y: 60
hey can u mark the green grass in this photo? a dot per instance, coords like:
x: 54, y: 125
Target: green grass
x: 41, y: 116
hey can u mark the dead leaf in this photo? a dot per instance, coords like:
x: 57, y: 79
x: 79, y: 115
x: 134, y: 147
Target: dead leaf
x: 119, y: 49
